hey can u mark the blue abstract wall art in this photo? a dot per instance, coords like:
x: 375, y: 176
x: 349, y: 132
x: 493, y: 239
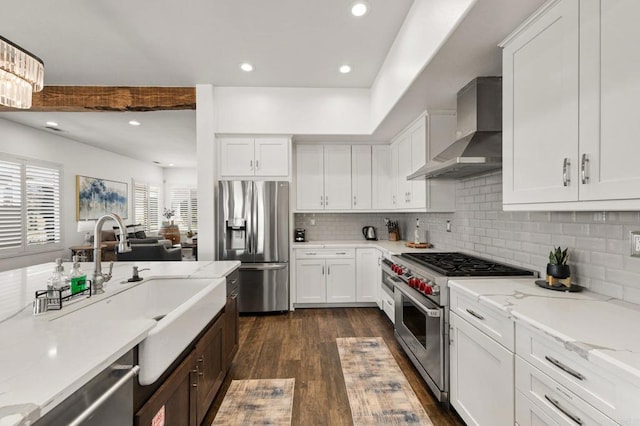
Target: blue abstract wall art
x: 97, y: 197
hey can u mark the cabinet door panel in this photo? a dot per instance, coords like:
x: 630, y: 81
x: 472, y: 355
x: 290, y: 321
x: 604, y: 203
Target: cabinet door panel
x: 470, y: 385
x: 231, y: 331
x: 310, y: 281
x: 404, y: 169
x: 610, y: 66
x: 341, y: 281
x: 395, y: 173
x: 236, y: 157
x: 210, y: 366
x: 361, y: 176
x: 310, y: 177
x: 272, y: 157
x: 368, y: 275
x: 337, y: 177
x: 381, y: 179
x: 540, y: 95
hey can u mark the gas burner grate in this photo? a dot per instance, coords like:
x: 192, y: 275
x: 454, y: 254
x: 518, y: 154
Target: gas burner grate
x: 462, y: 265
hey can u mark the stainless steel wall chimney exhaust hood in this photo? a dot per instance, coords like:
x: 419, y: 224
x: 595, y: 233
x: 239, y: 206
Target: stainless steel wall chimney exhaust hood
x: 478, y: 148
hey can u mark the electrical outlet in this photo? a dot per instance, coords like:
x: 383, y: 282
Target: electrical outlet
x: 448, y: 226
x: 635, y: 243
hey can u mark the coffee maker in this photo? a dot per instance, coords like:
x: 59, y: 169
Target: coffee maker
x: 299, y: 235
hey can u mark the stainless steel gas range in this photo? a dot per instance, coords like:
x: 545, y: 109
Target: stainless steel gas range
x: 421, y: 298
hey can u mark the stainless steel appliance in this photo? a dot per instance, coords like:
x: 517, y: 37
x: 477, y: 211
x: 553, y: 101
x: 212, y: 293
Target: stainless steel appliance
x: 253, y: 227
x: 478, y: 145
x: 369, y: 233
x: 300, y: 235
x: 421, y: 299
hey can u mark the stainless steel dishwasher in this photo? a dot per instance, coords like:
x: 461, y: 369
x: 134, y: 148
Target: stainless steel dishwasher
x: 106, y: 400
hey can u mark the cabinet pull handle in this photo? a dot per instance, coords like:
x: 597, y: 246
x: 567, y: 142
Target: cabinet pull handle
x: 328, y: 269
x: 563, y: 410
x: 472, y: 313
x: 389, y: 303
x: 566, y: 180
x: 201, y: 361
x: 394, y: 199
x: 257, y: 164
x: 354, y: 200
x: 250, y: 164
x: 583, y: 168
x: 310, y: 253
x: 194, y: 383
x: 564, y: 368
x: 326, y: 200
x: 341, y: 252
x: 379, y: 262
x: 323, y: 270
x: 321, y: 200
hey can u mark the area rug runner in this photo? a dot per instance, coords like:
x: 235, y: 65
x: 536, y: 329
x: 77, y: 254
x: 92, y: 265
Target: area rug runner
x: 378, y: 391
x: 257, y: 402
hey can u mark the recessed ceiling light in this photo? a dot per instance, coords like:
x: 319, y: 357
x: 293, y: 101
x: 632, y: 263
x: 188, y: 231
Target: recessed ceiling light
x: 134, y: 123
x: 51, y: 123
x: 345, y: 69
x: 246, y: 67
x: 359, y: 8
x: 171, y: 164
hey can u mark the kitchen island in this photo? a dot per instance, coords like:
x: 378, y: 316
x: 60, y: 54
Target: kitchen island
x: 48, y: 357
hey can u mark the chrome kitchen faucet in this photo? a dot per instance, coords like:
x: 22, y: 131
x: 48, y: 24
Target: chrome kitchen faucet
x: 123, y: 246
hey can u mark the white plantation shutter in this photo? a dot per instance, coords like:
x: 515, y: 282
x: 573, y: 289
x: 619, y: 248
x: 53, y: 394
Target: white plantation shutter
x: 146, y: 205
x: 42, y: 205
x: 10, y: 206
x: 30, y: 205
x: 184, y: 202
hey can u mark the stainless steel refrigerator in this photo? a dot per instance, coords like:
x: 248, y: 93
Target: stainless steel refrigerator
x: 253, y: 227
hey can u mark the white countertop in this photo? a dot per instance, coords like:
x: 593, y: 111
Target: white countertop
x: 45, y: 361
x: 391, y: 247
x: 599, y: 328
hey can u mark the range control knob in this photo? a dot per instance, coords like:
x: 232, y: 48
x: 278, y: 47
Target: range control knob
x: 427, y: 289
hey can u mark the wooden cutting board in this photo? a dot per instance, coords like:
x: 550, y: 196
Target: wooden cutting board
x: 419, y: 245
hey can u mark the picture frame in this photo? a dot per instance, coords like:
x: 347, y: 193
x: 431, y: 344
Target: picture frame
x: 96, y: 197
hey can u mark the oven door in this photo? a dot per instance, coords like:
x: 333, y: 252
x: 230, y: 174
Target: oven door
x: 420, y: 330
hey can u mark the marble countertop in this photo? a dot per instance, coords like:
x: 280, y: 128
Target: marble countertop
x: 45, y: 361
x: 599, y: 328
x: 391, y: 247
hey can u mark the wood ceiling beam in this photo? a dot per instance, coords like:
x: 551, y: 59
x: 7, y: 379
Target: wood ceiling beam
x: 107, y: 98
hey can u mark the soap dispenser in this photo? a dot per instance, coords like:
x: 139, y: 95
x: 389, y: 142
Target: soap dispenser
x: 78, y: 279
x: 416, y: 234
x: 57, y: 280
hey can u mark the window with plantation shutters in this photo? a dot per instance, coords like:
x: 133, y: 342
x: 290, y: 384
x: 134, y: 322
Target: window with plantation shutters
x: 146, y: 201
x: 30, y: 205
x: 184, y: 201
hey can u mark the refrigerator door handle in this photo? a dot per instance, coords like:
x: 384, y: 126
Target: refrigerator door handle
x: 262, y: 266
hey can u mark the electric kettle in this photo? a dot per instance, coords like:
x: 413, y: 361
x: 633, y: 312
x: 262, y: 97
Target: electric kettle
x: 369, y: 233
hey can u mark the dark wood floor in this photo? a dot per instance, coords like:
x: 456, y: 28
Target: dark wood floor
x: 301, y: 344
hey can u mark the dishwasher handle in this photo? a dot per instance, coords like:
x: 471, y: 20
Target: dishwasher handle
x: 105, y: 396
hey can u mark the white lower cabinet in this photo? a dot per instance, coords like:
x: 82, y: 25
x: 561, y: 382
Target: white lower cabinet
x: 368, y: 275
x: 325, y: 276
x: 482, y: 375
x: 529, y: 414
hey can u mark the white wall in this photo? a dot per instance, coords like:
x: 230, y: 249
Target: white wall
x: 76, y: 159
x: 428, y: 25
x: 301, y: 111
x: 207, y: 170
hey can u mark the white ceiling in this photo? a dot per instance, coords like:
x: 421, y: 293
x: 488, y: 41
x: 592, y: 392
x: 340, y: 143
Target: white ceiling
x: 291, y: 43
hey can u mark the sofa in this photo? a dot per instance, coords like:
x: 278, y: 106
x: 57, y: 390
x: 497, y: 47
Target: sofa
x: 150, y: 252
x: 110, y: 239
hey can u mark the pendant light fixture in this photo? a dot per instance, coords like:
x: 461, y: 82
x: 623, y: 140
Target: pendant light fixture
x: 21, y: 74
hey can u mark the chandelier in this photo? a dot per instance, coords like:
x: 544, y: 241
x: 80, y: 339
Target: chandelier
x: 21, y: 74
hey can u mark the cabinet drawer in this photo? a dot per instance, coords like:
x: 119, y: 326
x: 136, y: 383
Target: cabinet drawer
x: 553, y: 399
x: 600, y: 385
x: 529, y: 414
x: 325, y: 253
x: 493, y: 322
x: 388, y: 306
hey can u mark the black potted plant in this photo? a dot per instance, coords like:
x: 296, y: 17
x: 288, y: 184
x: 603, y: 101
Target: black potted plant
x: 557, y: 268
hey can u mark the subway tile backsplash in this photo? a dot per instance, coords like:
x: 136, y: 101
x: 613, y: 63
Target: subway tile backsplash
x: 598, y: 241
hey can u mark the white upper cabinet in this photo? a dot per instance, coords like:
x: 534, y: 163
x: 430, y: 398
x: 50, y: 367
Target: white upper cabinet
x: 569, y: 90
x: 361, y: 177
x: 246, y: 157
x: 381, y: 178
x: 337, y: 177
x: 323, y: 177
x: 310, y: 177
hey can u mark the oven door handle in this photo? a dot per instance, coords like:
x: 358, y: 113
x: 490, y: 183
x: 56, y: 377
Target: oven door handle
x: 433, y: 313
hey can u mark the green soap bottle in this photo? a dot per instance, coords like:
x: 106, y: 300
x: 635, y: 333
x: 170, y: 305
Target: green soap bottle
x: 78, y: 279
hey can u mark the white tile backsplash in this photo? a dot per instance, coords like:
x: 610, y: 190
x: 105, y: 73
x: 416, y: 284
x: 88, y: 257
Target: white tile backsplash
x: 598, y: 241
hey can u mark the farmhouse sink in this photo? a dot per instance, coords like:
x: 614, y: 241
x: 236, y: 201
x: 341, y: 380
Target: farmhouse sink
x: 181, y: 307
